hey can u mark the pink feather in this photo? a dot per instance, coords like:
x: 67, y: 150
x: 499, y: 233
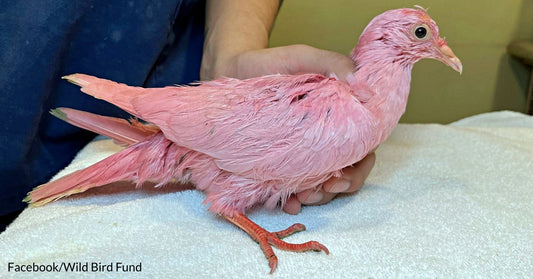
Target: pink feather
x: 123, y: 132
x: 256, y: 141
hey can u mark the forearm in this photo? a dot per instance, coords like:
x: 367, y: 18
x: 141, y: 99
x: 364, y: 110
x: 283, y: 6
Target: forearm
x: 233, y: 27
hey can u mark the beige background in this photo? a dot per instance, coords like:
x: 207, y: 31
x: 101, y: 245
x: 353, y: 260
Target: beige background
x: 477, y: 30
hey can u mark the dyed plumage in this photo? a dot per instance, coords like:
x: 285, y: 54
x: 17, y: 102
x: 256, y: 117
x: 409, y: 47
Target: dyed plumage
x: 259, y: 140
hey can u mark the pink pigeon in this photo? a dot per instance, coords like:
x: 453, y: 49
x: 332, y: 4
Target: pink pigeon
x: 257, y: 141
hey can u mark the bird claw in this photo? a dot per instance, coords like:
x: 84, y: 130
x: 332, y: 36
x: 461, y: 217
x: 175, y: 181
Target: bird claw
x: 290, y: 230
x: 268, y: 239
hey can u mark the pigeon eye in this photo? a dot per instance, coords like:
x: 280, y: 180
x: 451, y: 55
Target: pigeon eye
x: 421, y: 32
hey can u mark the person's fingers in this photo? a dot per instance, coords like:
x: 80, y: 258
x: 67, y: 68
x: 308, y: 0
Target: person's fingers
x: 337, y: 185
x: 293, y: 59
x: 292, y: 205
x: 360, y: 171
x: 337, y: 64
x: 315, y: 197
x: 310, y: 196
x: 352, y: 178
x: 307, y: 59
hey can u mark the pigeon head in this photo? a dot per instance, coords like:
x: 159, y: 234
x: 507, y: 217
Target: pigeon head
x: 404, y: 36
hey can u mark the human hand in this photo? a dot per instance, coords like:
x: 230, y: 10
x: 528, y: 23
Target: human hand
x: 296, y: 59
x: 352, y: 180
x: 292, y: 59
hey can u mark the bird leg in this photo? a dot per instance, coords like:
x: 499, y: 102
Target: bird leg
x: 268, y: 239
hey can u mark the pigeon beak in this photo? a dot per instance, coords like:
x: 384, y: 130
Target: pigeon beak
x: 447, y: 57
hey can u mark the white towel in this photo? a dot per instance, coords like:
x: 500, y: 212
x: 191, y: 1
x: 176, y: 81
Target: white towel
x: 443, y: 201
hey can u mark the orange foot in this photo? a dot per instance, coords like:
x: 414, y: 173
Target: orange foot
x: 268, y: 239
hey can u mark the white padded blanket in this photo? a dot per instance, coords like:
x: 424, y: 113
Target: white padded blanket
x: 443, y: 201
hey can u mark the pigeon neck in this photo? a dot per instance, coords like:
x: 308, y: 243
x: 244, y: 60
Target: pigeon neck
x: 386, y: 77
